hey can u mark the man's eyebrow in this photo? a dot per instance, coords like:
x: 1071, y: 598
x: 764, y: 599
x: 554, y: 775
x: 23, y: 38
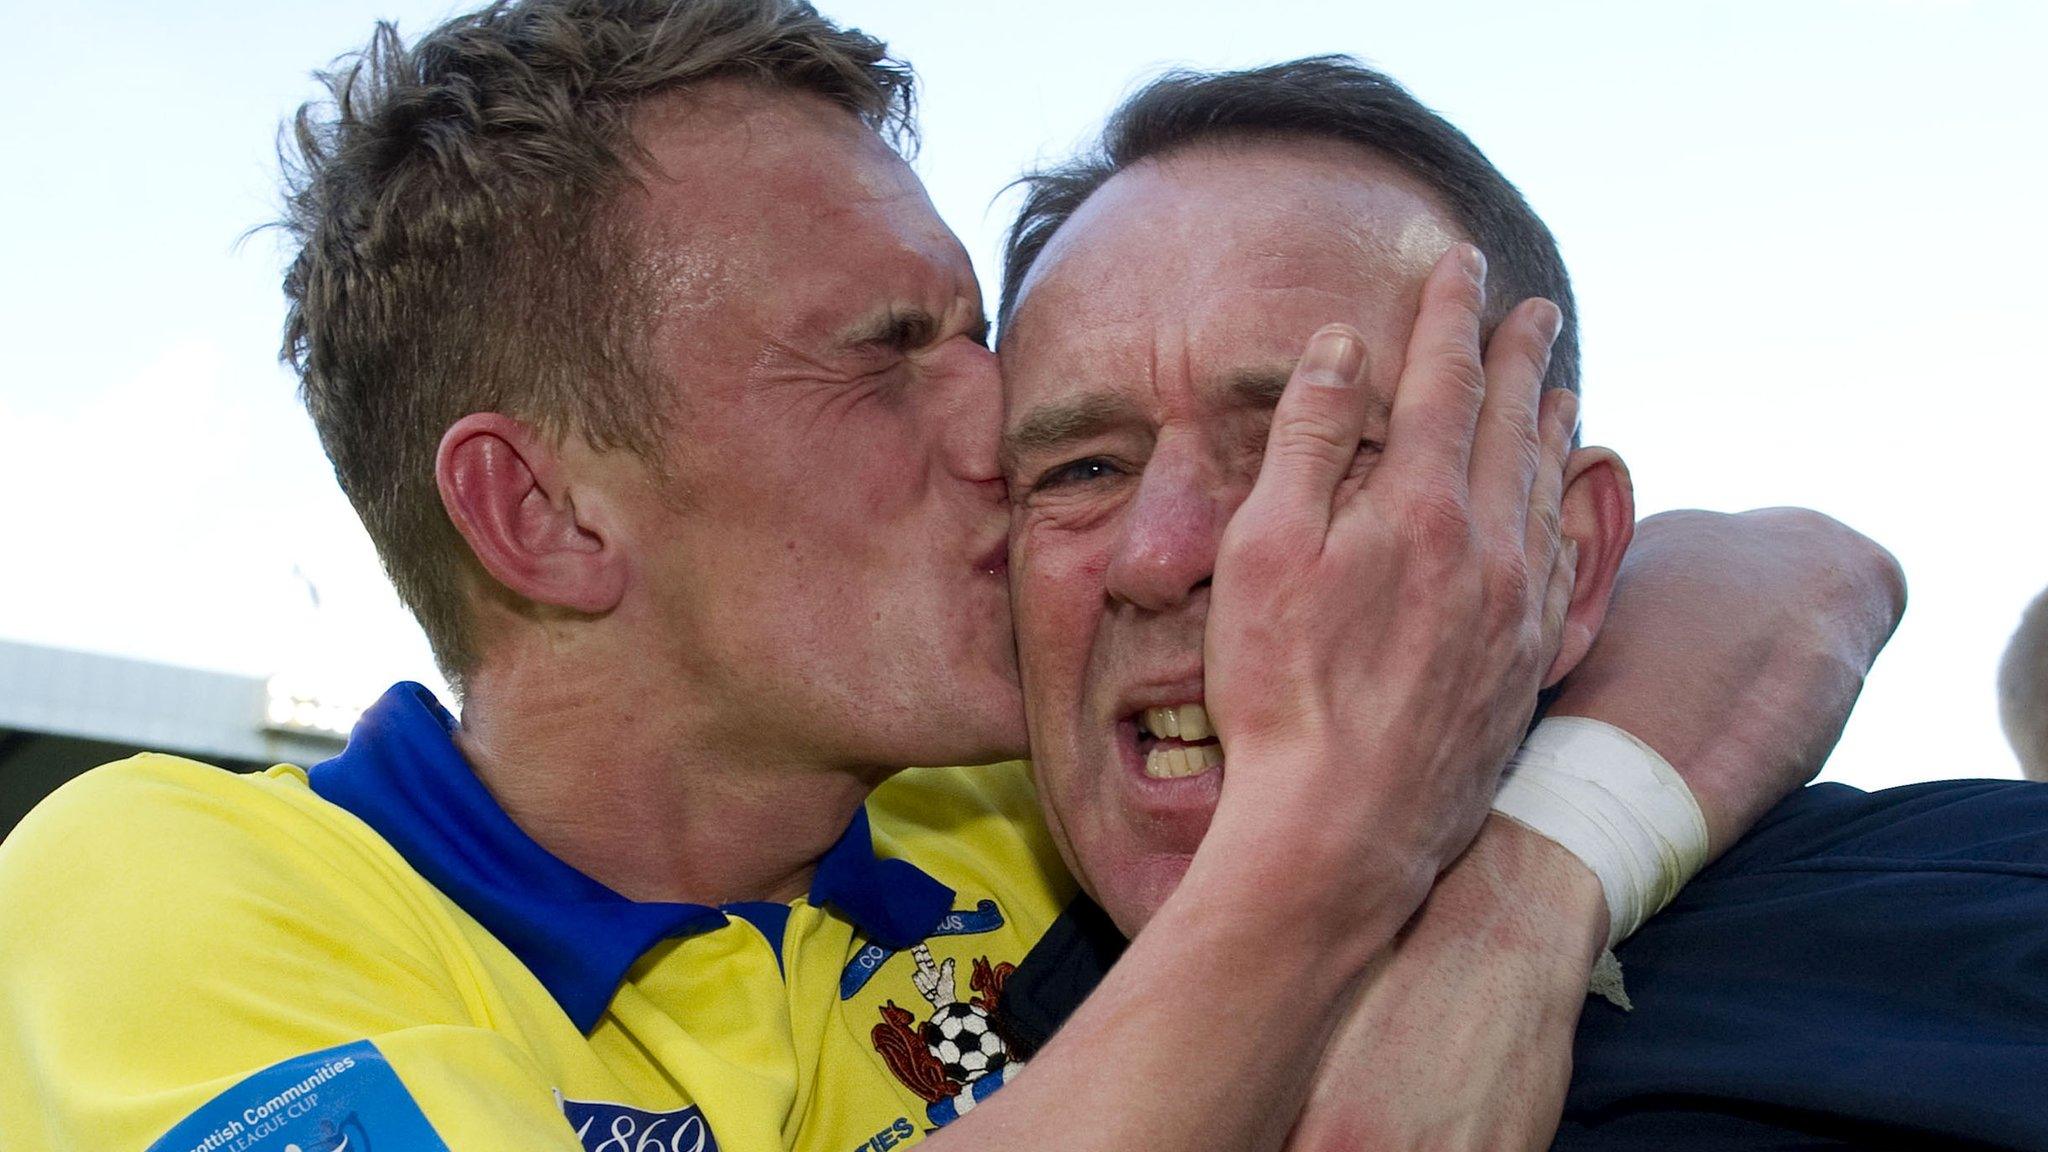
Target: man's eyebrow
x: 1257, y: 387
x: 1049, y: 426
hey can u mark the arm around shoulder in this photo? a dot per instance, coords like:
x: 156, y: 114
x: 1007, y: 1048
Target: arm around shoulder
x: 1736, y: 646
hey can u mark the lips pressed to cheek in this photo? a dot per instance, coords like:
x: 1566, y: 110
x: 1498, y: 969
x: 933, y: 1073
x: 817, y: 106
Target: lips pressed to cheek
x: 1177, y: 741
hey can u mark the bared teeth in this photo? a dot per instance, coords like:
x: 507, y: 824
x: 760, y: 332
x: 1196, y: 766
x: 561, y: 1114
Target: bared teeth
x: 1184, y: 726
x: 1186, y: 760
x: 1188, y: 722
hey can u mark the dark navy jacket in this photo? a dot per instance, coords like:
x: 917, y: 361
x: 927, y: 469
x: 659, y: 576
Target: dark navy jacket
x: 1864, y: 970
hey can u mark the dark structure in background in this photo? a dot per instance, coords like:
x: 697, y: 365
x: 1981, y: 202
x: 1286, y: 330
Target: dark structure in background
x: 62, y: 712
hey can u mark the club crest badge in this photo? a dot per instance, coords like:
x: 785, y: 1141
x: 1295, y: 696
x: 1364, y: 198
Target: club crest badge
x: 956, y: 1057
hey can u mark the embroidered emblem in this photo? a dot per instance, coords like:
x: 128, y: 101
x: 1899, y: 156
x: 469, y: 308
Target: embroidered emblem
x: 983, y: 917
x: 957, y: 1057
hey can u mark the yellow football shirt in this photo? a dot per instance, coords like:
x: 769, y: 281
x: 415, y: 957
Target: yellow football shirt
x: 372, y: 956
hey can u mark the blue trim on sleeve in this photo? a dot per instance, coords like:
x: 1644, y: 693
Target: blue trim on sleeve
x: 403, y: 775
x: 340, y: 1098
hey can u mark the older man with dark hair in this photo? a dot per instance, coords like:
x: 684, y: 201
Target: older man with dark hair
x: 663, y: 393
x: 1859, y: 972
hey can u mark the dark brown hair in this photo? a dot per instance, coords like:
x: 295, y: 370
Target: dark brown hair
x: 457, y: 250
x: 1321, y: 97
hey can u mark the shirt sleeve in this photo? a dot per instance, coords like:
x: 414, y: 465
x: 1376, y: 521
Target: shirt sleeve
x: 1864, y: 970
x: 191, y: 956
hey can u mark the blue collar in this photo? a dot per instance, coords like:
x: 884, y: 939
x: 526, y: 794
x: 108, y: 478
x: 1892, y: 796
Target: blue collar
x: 403, y: 776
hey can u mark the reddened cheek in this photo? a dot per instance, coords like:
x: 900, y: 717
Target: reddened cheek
x: 1056, y: 604
x: 1049, y: 566
x: 1598, y: 516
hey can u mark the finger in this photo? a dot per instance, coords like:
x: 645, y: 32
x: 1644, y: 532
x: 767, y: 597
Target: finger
x: 1558, y: 418
x: 1557, y: 603
x: 1507, y: 446
x: 1316, y: 428
x: 1436, y: 404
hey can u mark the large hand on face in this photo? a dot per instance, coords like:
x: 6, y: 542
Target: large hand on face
x: 1377, y: 635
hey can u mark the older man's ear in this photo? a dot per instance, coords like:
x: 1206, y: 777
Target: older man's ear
x: 1599, y: 515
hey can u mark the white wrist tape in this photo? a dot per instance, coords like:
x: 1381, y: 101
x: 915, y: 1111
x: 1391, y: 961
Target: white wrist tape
x: 1610, y: 800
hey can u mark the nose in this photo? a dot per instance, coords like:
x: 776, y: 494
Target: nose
x: 971, y: 417
x: 1166, y: 550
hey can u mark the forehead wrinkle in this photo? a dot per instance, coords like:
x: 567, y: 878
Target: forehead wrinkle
x: 1173, y: 356
x: 1225, y: 260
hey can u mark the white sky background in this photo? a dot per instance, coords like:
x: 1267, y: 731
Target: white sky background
x: 1807, y: 237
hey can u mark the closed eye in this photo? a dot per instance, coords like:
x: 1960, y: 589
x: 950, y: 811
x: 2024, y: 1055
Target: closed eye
x: 907, y: 331
x: 902, y: 332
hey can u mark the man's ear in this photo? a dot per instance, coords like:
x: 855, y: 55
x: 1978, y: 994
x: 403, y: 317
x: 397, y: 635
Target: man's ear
x: 1599, y: 514
x: 507, y: 489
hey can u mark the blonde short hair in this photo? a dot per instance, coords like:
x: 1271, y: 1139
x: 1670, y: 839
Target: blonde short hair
x: 457, y: 250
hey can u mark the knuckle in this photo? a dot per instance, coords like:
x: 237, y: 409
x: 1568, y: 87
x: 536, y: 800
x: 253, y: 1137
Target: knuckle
x: 1270, y: 546
x: 1522, y: 446
x: 1310, y: 437
x: 1804, y: 526
x: 1462, y: 365
x: 1504, y: 577
x: 1507, y: 584
x: 1854, y: 563
x: 1465, y: 389
x: 1435, y: 522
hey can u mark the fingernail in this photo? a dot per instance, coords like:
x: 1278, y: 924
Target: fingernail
x: 1571, y: 554
x: 1473, y: 261
x: 1553, y: 323
x: 1333, y: 358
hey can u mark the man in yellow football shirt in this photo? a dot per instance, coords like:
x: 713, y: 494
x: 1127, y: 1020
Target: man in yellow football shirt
x: 663, y: 394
